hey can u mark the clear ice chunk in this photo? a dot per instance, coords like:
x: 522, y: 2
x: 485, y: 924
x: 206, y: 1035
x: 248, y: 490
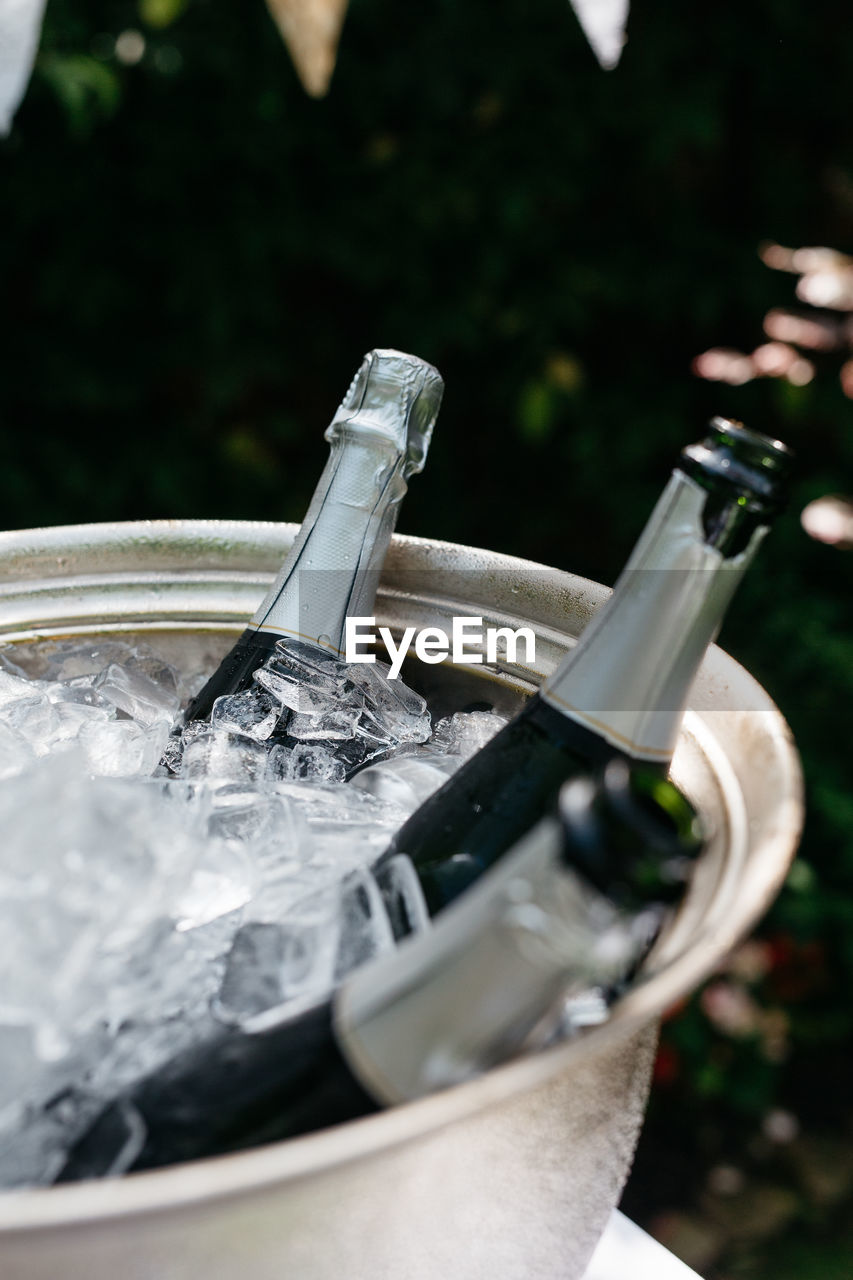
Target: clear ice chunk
x: 332, y: 724
x: 211, y: 753
x: 310, y: 946
x: 331, y: 701
x: 254, y: 973
x: 121, y: 748
x: 133, y: 691
x: 305, y: 762
x: 15, y: 752
x: 405, y: 781
x: 220, y: 882
x: 290, y: 694
x: 365, y: 929
x: 271, y: 963
x: 69, y: 660
x: 402, y: 894
x: 133, y: 908
x: 253, y: 714
x: 72, y: 718
x: 79, y: 692
x: 465, y: 732
x: 393, y: 710
x: 301, y: 676
x: 13, y: 688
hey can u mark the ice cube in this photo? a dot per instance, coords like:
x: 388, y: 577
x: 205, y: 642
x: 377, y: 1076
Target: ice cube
x: 171, y: 759
x: 275, y: 962
x: 15, y: 752
x: 332, y: 724
x: 123, y: 897
x: 212, y: 753
x: 290, y: 694
x: 253, y: 714
x: 391, y: 706
x: 309, y: 763
x: 465, y: 732
x: 220, y: 882
x: 254, y: 973
x: 134, y: 692
x: 120, y: 748
x: 403, y: 895
x: 47, y: 723
x: 240, y: 812
x: 13, y: 688
x: 76, y: 692
x: 365, y: 929
x: 34, y: 718
x: 310, y: 936
x: 301, y: 676
x: 335, y: 702
x: 72, y: 718
x: 71, y: 659
x: 405, y: 781
x: 345, y: 845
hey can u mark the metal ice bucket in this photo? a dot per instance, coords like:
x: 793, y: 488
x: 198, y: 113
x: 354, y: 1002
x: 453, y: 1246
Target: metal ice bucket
x: 514, y: 1174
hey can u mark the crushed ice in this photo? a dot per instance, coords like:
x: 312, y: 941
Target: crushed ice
x: 135, y: 909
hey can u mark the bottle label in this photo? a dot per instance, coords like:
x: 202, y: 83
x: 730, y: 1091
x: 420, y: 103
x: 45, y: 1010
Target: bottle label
x: 628, y: 677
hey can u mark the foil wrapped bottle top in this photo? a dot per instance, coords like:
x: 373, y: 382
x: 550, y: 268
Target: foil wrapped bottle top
x: 394, y: 395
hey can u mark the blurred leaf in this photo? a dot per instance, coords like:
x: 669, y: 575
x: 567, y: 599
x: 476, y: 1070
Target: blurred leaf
x: 536, y: 412
x: 87, y: 90
x: 161, y: 13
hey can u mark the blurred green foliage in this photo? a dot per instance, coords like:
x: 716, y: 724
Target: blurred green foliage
x: 194, y: 256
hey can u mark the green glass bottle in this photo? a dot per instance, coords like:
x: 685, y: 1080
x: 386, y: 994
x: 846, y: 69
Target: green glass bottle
x: 379, y: 437
x: 622, y: 690
x: 543, y: 940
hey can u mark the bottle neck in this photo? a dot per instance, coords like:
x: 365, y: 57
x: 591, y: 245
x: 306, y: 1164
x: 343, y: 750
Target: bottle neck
x: 334, y: 564
x: 629, y: 675
x: 489, y: 978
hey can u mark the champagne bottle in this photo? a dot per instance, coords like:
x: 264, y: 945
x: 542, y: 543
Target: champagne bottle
x: 622, y: 689
x: 535, y: 951
x: 379, y: 437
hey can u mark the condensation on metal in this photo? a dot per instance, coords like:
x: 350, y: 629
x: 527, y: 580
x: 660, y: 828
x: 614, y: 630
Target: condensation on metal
x: 511, y: 1174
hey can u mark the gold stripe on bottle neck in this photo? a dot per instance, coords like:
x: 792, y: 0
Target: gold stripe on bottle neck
x: 299, y: 635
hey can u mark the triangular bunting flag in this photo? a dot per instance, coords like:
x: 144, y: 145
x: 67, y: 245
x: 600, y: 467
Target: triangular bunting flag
x: 603, y: 22
x: 311, y: 30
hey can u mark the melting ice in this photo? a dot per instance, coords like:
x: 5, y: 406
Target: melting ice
x: 134, y: 909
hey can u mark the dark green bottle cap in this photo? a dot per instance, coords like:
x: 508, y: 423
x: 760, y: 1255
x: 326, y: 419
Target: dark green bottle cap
x: 630, y: 832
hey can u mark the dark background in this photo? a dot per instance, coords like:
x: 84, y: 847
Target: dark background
x: 194, y: 256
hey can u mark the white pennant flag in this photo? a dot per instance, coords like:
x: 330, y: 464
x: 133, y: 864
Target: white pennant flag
x: 20, y: 27
x: 603, y: 22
